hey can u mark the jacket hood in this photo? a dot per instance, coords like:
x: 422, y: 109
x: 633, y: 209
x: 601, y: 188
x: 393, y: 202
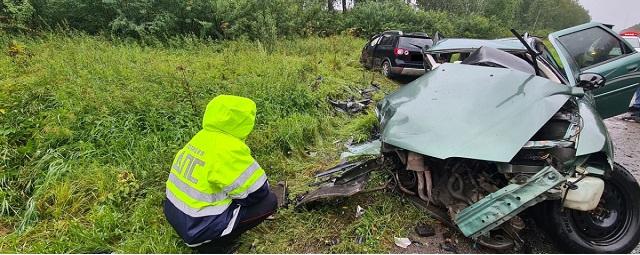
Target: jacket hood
x: 233, y: 115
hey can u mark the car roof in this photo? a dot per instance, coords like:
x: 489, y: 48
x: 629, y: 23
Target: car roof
x: 403, y: 34
x: 463, y: 44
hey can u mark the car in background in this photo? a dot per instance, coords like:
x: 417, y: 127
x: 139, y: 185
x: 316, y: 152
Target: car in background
x: 396, y: 53
x: 632, y: 38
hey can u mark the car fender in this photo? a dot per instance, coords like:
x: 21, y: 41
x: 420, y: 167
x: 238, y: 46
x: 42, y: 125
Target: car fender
x: 594, y: 136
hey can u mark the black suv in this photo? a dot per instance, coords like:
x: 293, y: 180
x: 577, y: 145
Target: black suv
x: 396, y: 53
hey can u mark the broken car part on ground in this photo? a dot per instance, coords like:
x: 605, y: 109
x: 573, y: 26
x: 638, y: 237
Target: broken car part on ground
x: 478, y: 142
x: 352, y: 105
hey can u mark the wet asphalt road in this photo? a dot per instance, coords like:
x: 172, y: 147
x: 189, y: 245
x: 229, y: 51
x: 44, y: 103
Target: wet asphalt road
x: 626, y: 140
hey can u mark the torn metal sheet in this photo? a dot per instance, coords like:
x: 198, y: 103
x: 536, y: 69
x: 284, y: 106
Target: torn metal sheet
x: 353, y: 179
x: 362, y: 169
x: 368, y: 148
x: 339, y: 168
x: 351, y: 105
x: 502, y: 205
x: 336, y: 190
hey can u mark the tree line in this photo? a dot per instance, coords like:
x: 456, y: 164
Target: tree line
x: 269, y: 20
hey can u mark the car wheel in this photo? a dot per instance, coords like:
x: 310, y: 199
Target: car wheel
x: 386, y: 69
x: 613, y: 227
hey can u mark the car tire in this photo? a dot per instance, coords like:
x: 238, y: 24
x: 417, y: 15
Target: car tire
x: 613, y: 227
x: 386, y: 69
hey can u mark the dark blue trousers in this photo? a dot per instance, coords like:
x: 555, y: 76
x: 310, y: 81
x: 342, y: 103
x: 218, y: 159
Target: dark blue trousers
x: 249, y: 217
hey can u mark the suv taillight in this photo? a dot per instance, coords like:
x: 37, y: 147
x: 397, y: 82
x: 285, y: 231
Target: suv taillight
x: 400, y: 51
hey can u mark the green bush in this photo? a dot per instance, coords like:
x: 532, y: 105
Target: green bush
x: 160, y: 20
x: 15, y: 15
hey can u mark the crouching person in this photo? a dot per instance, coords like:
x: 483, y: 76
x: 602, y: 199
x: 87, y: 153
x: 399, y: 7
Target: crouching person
x: 216, y: 190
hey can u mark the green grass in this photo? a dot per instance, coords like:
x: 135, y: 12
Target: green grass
x: 88, y: 128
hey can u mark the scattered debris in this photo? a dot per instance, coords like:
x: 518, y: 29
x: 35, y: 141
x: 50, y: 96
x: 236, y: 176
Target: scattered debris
x: 352, y: 105
x: 425, y: 230
x: 359, y: 211
x: 339, y: 168
x: 449, y: 246
x: 368, y: 92
x: 332, y: 241
x: 368, y: 148
x: 402, y: 242
x: 359, y: 239
x: 335, y: 190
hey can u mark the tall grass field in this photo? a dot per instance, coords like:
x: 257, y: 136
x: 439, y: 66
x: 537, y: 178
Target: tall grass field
x: 89, y: 127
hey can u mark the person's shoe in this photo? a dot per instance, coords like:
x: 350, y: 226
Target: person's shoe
x: 634, y: 109
x: 218, y: 248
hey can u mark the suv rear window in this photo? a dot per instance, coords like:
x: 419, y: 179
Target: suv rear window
x: 413, y: 42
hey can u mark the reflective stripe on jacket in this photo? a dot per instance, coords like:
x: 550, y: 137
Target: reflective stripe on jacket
x: 216, y: 165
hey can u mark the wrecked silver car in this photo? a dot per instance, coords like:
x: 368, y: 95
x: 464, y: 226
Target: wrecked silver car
x: 499, y: 131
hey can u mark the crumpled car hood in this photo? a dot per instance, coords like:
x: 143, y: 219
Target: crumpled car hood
x: 469, y: 111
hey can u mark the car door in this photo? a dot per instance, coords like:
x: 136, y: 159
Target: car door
x: 383, y: 50
x: 368, y: 51
x: 594, y: 48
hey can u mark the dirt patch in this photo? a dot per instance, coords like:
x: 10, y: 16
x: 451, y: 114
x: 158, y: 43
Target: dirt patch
x: 4, y: 230
x: 444, y: 241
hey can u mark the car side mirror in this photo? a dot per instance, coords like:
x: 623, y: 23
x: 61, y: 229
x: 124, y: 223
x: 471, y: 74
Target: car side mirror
x: 590, y: 81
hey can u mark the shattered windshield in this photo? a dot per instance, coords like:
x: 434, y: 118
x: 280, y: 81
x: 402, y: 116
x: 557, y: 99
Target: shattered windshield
x: 487, y: 56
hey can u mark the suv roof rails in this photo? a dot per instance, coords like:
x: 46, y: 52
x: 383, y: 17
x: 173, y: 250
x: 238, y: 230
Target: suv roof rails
x: 394, y: 32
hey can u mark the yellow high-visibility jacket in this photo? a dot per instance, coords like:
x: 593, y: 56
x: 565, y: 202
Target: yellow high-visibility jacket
x: 216, y: 166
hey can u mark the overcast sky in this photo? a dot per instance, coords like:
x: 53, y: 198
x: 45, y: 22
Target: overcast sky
x: 620, y: 13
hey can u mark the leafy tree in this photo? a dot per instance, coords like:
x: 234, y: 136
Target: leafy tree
x: 267, y: 20
x: 15, y: 14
